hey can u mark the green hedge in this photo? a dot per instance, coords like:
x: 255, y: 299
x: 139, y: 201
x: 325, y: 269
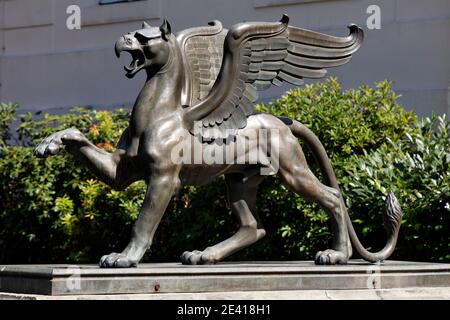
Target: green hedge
x: 52, y: 211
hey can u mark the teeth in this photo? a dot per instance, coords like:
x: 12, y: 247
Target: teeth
x: 132, y: 66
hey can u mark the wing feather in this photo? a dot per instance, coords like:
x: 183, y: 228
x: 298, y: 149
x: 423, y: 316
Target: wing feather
x: 257, y: 56
x: 262, y: 85
x: 250, y: 93
x: 283, y: 76
x: 295, y: 71
x: 202, y: 50
x: 272, y: 65
x: 277, y: 82
x: 316, y: 62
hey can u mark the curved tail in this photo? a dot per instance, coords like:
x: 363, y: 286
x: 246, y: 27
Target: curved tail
x: 392, y: 214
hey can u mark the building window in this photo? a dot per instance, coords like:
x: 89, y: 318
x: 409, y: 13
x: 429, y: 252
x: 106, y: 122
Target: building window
x: 116, y: 1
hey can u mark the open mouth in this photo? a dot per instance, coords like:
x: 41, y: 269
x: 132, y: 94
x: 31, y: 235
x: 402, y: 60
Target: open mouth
x: 137, y: 62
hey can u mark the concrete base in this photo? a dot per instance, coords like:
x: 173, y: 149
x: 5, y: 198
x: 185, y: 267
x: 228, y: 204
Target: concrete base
x: 258, y: 280
x: 440, y: 293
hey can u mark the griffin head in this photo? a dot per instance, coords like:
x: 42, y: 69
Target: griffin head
x: 149, y: 48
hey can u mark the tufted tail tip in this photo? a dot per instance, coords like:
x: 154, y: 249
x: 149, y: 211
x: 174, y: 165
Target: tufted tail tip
x: 393, y: 214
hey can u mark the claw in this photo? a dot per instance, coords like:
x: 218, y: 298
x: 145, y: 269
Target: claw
x: 116, y: 260
x: 191, y: 258
x: 54, y: 143
x: 197, y: 257
x: 330, y: 256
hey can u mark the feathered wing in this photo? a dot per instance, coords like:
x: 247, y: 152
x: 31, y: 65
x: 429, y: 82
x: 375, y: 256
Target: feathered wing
x: 202, y: 49
x: 255, y: 57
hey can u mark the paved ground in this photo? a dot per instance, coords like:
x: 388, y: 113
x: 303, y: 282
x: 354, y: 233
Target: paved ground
x: 442, y: 293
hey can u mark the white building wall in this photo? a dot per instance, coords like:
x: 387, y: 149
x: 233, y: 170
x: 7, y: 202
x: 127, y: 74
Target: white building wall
x: 45, y: 66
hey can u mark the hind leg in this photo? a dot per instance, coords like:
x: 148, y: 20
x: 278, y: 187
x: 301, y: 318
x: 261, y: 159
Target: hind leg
x: 298, y: 177
x: 242, y: 199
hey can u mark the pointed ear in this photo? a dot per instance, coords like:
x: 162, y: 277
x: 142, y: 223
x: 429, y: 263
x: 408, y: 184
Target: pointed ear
x: 165, y: 29
x: 145, y: 25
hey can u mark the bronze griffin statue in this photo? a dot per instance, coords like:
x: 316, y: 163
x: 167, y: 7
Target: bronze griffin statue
x: 199, y: 95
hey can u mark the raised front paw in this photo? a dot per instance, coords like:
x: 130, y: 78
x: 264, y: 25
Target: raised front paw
x: 331, y: 256
x: 198, y: 257
x: 116, y: 260
x: 54, y: 143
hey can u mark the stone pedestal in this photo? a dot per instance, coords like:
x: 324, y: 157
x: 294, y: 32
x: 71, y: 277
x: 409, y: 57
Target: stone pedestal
x: 155, y: 278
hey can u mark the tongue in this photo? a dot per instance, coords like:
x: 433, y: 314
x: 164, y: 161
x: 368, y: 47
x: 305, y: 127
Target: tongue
x: 132, y: 66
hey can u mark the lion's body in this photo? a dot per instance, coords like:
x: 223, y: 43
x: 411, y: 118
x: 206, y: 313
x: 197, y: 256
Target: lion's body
x: 248, y: 152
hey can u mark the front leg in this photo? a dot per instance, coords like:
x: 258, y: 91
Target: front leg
x: 159, y: 192
x: 56, y: 141
x: 115, y: 169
